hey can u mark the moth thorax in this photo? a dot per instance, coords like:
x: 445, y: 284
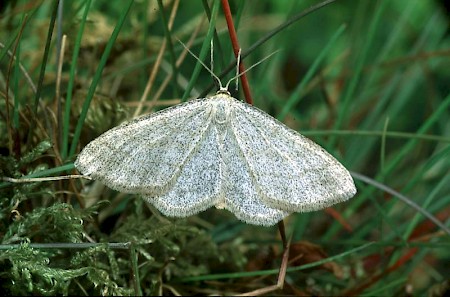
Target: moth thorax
x: 223, y: 90
x: 221, y: 112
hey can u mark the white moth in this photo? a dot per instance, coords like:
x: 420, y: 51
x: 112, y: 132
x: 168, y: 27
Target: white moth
x: 221, y: 152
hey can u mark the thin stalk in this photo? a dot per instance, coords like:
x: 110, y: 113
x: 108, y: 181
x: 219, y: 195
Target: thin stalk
x: 237, y: 50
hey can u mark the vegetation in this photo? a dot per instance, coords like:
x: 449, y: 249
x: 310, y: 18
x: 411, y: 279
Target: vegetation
x: 368, y: 80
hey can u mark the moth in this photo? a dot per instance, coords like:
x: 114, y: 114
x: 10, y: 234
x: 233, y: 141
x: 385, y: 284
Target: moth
x: 221, y: 152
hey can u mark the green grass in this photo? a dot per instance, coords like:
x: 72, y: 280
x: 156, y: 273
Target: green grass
x: 368, y: 80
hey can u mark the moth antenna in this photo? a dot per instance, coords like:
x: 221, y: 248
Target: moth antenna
x: 212, y: 55
x: 248, y: 69
x: 206, y: 67
x: 238, y: 62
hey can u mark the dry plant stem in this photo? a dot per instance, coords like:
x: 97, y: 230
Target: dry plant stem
x: 283, y: 267
x: 58, y: 90
x: 178, y: 63
x: 41, y: 179
x: 51, y: 178
x: 283, y: 234
x: 236, y: 49
x: 157, y: 64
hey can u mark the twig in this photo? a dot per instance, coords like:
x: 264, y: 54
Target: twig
x: 157, y: 64
x: 41, y: 179
x: 236, y: 49
x: 283, y: 267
